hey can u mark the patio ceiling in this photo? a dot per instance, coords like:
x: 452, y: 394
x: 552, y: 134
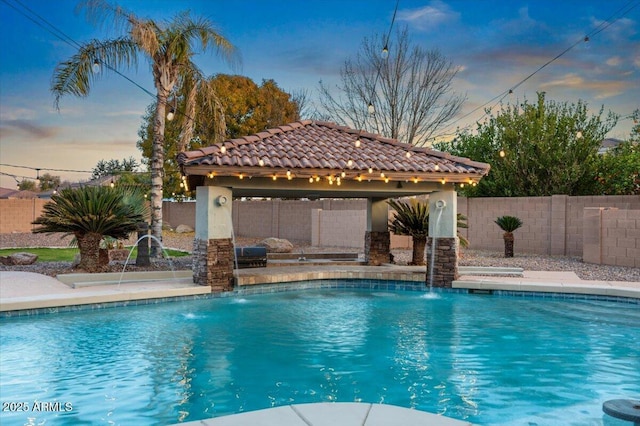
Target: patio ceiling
x: 314, y: 159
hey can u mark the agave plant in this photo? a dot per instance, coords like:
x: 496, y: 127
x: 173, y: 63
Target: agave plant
x: 412, y: 218
x: 508, y: 224
x: 90, y: 214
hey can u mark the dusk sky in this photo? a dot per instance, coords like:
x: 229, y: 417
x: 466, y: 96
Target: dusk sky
x: 495, y: 44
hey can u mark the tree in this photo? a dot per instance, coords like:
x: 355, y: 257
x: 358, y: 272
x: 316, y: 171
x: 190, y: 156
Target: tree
x: 112, y: 167
x: 412, y: 218
x: 618, y: 170
x: 245, y: 108
x: 535, y: 149
x: 168, y: 47
x: 27, y: 185
x: 91, y: 213
x: 410, y: 91
x: 48, y: 181
x: 508, y: 224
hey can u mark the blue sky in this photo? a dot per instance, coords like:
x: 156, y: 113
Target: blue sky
x: 495, y: 44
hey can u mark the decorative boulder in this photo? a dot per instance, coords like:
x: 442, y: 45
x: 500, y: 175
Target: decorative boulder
x: 22, y: 258
x: 276, y: 245
x: 184, y: 229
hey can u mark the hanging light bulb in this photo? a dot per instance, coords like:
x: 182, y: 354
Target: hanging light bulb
x: 381, y: 174
x: 171, y: 114
x: 95, y: 67
x: 311, y: 179
x: 261, y: 162
x: 371, y: 108
x: 385, y: 52
x: 408, y: 154
x: 359, y: 178
x: 113, y: 183
x: 274, y: 177
x: 578, y: 134
x: 443, y: 181
x: 358, y: 143
x: 386, y: 180
x: 343, y: 174
x: 317, y: 178
x: 502, y: 153
x: 437, y: 167
x: 240, y: 176
x: 415, y: 180
x: 370, y: 169
x: 349, y: 163
x: 288, y: 173
x: 223, y: 149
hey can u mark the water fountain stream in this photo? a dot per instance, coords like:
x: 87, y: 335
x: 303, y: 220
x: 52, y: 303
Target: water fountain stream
x: 136, y: 245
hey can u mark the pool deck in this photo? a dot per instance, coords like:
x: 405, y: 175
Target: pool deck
x: 25, y: 290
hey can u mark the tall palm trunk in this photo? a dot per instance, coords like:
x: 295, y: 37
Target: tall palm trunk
x: 157, y: 171
x: 89, y: 245
x: 508, y: 244
x: 419, y: 243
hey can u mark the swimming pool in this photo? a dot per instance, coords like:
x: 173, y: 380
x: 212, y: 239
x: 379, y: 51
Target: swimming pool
x: 489, y: 360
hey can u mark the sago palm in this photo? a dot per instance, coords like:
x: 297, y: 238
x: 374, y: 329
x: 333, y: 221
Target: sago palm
x: 167, y: 46
x: 508, y: 224
x: 91, y: 213
x: 412, y: 218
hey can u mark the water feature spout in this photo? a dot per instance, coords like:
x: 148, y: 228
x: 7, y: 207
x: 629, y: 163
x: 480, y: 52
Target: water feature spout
x: 164, y: 251
x: 440, y: 205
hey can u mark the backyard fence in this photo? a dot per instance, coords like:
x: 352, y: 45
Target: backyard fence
x: 555, y: 225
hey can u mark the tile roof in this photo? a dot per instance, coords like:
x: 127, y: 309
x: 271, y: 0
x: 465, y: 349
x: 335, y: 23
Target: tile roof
x: 322, y: 146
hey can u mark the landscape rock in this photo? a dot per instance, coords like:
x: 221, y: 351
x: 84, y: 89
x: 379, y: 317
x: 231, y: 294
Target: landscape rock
x: 183, y: 229
x: 21, y: 258
x: 276, y: 245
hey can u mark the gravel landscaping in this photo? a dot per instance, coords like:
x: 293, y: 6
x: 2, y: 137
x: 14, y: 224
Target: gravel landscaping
x: 529, y: 262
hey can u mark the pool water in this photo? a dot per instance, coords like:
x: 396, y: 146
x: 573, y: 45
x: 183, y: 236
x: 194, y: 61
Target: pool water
x: 485, y: 359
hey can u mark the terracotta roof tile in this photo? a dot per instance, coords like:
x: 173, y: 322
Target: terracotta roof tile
x: 320, y: 145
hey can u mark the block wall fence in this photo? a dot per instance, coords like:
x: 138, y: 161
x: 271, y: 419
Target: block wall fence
x: 551, y: 225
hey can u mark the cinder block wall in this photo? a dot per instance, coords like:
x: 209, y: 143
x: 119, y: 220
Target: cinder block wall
x: 338, y: 228
x: 16, y: 215
x: 611, y: 236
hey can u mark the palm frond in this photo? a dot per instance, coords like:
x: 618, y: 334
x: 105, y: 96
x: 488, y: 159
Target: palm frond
x: 508, y: 223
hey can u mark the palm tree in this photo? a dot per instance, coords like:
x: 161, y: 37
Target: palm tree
x: 91, y: 213
x: 412, y: 219
x: 168, y: 47
x: 508, y: 224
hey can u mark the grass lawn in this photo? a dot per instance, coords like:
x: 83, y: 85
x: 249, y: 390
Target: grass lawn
x: 67, y: 254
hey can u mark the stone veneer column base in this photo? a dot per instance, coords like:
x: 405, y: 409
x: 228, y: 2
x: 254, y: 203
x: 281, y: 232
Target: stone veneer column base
x: 445, y: 268
x: 377, y: 247
x: 213, y: 263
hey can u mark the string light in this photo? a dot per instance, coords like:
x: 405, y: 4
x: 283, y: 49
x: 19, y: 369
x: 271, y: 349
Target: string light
x: 349, y: 163
x: 408, y: 154
x: 357, y: 143
x: 240, y: 176
x: 311, y: 179
x: 223, y: 149
x: 370, y: 170
x: 274, y: 177
x: 502, y: 153
x: 261, y: 162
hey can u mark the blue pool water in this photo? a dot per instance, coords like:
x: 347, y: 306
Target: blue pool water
x: 486, y: 359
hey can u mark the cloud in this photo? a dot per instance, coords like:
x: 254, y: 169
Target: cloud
x: 614, y: 61
x: 602, y: 89
x: 428, y: 18
x: 27, y: 130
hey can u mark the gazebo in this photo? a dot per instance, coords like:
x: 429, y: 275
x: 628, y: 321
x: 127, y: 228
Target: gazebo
x: 313, y: 159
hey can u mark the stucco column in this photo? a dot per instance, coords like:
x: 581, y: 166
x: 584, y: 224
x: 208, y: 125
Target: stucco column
x: 377, y: 239
x: 213, y: 250
x: 443, y: 229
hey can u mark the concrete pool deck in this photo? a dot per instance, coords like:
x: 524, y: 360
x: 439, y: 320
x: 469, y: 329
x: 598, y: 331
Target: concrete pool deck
x: 25, y: 290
